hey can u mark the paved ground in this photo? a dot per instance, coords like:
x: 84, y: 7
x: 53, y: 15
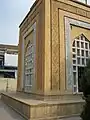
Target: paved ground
x: 7, y: 113
x: 72, y: 118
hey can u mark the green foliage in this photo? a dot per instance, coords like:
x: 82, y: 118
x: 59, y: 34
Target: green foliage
x: 85, y: 87
x: 86, y: 112
x: 85, y: 80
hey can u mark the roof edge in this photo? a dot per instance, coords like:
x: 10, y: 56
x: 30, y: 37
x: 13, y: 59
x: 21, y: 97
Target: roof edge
x: 81, y: 3
x: 35, y: 3
x: 32, y: 7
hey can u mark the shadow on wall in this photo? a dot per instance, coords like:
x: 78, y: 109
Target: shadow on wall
x: 7, y: 84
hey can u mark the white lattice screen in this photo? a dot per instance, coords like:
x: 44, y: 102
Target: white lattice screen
x: 80, y: 55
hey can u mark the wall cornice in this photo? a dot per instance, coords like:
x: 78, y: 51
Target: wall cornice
x: 73, y: 9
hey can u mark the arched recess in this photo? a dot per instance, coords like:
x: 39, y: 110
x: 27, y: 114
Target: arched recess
x: 29, y: 66
x: 80, y: 55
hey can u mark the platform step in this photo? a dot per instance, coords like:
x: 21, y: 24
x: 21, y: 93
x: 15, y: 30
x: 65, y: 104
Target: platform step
x: 42, y: 110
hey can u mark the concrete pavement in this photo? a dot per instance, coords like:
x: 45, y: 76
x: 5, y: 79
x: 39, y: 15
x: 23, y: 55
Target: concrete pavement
x: 7, y: 113
x: 71, y: 118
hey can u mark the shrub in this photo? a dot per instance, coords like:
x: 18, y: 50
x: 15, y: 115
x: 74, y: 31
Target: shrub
x: 85, y: 87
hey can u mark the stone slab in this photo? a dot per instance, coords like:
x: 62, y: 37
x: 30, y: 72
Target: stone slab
x: 71, y: 118
x: 42, y: 110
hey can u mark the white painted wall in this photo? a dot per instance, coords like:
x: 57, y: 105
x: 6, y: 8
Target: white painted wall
x: 84, y: 1
x: 12, y: 84
x: 11, y: 60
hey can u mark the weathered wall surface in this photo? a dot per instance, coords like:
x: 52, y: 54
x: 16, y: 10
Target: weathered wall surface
x: 57, y: 11
x: 51, y: 33
x: 36, y: 15
x: 12, y: 85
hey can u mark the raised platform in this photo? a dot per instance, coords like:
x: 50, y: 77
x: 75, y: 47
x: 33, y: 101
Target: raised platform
x: 33, y: 109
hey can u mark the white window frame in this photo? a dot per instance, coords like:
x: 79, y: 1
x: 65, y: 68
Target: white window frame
x: 69, y: 66
x: 83, y: 1
x: 80, y: 56
x: 30, y: 29
x: 29, y: 67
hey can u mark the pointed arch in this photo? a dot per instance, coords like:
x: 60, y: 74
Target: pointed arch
x: 80, y: 55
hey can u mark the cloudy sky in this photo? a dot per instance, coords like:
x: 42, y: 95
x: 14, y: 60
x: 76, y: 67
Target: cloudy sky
x: 12, y: 13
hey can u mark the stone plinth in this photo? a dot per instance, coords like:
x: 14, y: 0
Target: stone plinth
x: 33, y: 109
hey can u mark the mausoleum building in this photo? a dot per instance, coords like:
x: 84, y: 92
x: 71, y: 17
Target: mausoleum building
x: 54, y: 47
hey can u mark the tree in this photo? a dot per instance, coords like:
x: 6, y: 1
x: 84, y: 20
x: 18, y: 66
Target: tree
x: 85, y: 80
x: 85, y: 87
